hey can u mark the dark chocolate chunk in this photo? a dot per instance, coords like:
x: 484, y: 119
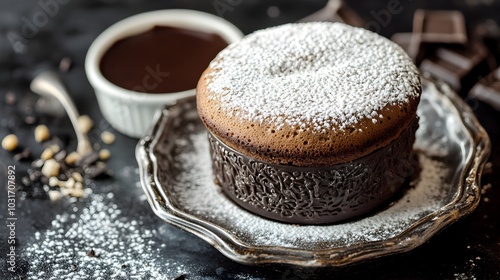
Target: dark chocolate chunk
x: 443, y: 27
x: 336, y: 11
x: 436, y: 27
x: 488, y: 29
x: 488, y: 90
x: 460, y: 67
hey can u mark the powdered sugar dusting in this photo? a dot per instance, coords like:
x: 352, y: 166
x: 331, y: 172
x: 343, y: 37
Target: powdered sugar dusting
x: 325, y: 75
x: 121, y: 248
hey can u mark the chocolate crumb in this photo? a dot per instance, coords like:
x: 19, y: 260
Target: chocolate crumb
x: 26, y: 181
x: 65, y: 64
x: 30, y: 120
x: 34, y: 175
x: 10, y: 98
x: 85, y: 123
x: 91, y: 253
x: 24, y: 155
x: 63, y: 177
x: 180, y: 277
x: 44, y: 180
x: 124, y: 266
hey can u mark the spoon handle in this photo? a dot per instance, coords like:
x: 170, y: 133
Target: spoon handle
x: 50, y: 84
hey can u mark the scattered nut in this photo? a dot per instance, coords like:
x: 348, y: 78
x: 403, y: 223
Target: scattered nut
x: 10, y: 142
x: 85, y: 123
x: 54, y: 195
x: 65, y: 192
x: 70, y: 183
x: 79, y: 185
x: 42, y: 133
x: 46, y: 154
x: 53, y: 182
x: 76, y: 192
x: 72, y: 158
x: 77, y: 176
x: 104, y: 154
x: 51, y: 168
x: 107, y: 137
x: 55, y: 148
x: 24, y: 155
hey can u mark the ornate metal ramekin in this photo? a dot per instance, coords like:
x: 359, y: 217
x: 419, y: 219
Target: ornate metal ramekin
x: 314, y: 195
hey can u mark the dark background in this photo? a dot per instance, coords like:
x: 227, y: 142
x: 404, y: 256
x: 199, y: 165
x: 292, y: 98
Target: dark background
x: 469, y: 249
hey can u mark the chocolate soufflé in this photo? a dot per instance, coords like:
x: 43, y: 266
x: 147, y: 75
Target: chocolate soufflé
x: 310, y: 123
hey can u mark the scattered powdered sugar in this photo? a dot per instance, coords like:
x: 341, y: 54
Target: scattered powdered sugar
x: 328, y: 75
x: 198, y: 195
x: 98, y: 243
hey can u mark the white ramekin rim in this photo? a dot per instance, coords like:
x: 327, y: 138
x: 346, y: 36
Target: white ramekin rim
x: 139, y: 23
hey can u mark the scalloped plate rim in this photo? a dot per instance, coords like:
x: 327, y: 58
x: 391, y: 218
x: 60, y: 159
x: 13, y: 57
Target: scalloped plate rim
x: 464, y: 203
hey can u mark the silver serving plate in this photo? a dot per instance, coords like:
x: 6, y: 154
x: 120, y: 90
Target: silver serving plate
x: 452, y: 148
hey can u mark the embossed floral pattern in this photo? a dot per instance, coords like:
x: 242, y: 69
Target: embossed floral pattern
x: 313, y: 195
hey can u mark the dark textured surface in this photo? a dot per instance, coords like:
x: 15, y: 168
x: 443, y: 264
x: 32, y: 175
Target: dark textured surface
x: 468, y: 249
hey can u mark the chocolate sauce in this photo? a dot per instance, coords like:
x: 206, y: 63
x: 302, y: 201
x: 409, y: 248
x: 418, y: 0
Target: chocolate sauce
x: 161, y: 60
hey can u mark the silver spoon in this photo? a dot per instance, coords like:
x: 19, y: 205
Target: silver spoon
x: 49, y: 84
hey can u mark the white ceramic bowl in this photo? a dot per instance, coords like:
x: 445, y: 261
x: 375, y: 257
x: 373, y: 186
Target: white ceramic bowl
x: 130, y: 112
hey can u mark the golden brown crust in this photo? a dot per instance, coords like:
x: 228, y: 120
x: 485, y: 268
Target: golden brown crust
x: 294, y: 146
